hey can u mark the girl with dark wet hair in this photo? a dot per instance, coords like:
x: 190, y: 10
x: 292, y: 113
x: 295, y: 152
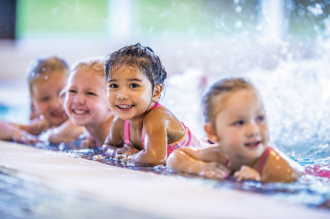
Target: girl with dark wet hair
x: 144, y: 131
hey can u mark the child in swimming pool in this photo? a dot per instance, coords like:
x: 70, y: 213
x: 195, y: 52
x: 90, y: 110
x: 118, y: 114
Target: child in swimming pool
x: 46, y: 78
x: 143, y: 131
x: 86, y: 99
x: 236, y: 121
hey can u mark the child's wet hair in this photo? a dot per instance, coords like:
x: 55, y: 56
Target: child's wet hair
x: 222, y: 87
x: 140, y: 57
x: 95, y: 64
x: 45, y: 65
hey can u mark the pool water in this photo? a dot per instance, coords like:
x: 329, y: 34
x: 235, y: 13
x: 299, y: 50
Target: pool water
x: 310, y: 190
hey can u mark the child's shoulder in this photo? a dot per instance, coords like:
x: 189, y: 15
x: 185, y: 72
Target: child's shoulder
x: 160, y: 111
x: 277, y: 156
x: 279, y: 167
x: 160, y: 115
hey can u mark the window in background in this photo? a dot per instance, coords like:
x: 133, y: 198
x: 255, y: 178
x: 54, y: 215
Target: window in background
x: 66, y: 18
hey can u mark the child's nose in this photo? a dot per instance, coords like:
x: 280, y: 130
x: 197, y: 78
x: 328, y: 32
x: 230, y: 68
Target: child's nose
x: 122, y: 94
x: 79, y: 99
x: 56, y: 104
x: 253, y: 129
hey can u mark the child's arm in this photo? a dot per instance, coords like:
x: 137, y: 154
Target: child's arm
x: 67, y: 132
x: 155, y: 143
x: 203, y: 162
x: 155, y: 126
x: 11, y: 133
x: 277, y: 168
x: 247, y: 173
x: 88, y: 141
x: 115, y: 139
x: 35, y: 127
x: 280, y: 168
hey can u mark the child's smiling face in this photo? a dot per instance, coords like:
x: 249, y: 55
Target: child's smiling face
x: 130, y: 93
x: 240, y: 124
x: 45, y: 96
x: 86, y: 98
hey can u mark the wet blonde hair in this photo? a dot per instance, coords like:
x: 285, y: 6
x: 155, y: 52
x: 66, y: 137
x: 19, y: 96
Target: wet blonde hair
x: 95, y: 64
x: 45, y: 65
x: 222, y: 87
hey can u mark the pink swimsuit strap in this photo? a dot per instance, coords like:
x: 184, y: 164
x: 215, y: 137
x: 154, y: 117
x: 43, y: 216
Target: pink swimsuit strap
x: 262, y: 161
x: 226, y: 162
x: 126, y: 132
x: 126, y: 127
x: 263, y: 158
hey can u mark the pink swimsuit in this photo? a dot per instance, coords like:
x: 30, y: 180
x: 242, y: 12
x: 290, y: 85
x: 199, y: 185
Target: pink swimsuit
x: 188, y: 139
x: 262, y: 161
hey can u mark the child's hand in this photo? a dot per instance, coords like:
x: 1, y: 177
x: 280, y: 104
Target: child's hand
x: 88, y: 143
x: 215, y: 170
x: 247, y: 173
x: 126, y: 152
x: 21, y: 136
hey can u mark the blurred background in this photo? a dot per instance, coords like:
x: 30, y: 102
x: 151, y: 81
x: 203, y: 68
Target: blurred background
x: 229, y: 36
x: 281, y: 45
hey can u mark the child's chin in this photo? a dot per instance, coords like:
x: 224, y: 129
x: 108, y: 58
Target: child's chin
x: 124, y: 117
x: 79, y: 123
x: 254, y: 154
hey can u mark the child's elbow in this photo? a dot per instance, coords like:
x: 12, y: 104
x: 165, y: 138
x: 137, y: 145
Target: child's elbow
x: 148, y: 159
x: 173, y: 160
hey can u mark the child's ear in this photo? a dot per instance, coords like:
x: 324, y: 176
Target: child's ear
x: 157, y: 92
x: 211, y: 134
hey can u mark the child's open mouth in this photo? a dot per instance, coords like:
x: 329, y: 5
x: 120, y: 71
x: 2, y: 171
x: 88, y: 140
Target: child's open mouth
x: 253, y: 144
x: 125, y: 107
x: 57, y: 114
x: 80, y: 112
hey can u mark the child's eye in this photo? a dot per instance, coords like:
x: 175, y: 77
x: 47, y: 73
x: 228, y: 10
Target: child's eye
x: 91, y: 93
x: 134, y: 85
x: 45, y: 99
x: 238, y: 123
x: 113, y: 86
x: 72, y: 91
x: 260, y: 118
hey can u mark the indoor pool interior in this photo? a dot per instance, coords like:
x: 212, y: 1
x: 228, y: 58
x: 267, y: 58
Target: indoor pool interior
x: 282, y: 47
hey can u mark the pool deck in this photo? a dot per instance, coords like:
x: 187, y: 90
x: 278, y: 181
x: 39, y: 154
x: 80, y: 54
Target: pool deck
x: 157, y: 195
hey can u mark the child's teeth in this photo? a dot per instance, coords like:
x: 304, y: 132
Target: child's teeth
x: 79, y: 111
x: 125, y: 106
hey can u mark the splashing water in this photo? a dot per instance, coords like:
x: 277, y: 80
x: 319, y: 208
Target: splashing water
x: 295, y: 88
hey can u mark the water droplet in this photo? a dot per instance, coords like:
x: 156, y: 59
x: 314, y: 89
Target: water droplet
x: 238, y: 9
x: 238, y: 24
